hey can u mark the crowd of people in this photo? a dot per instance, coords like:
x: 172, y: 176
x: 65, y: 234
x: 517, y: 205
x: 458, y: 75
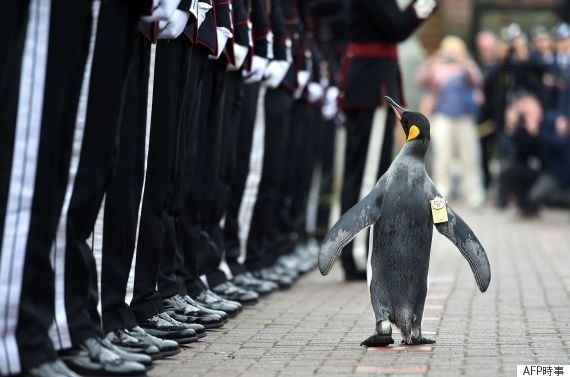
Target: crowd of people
x: 509, y: 105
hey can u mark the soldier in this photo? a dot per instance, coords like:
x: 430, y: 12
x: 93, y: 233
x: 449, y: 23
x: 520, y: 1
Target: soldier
x: 370, y: 71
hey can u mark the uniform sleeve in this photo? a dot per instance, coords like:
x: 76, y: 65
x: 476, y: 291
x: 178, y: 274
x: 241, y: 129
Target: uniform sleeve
x: 392, y: 23
x: 279, y: 29
x: 260, y: 25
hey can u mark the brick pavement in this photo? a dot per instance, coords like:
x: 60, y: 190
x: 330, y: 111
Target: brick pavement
x: 316, y: 327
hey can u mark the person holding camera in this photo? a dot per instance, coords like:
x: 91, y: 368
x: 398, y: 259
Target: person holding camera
x: 453, y: 84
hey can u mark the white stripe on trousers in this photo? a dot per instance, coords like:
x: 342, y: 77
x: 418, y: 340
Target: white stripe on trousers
x: 59, y: 331
x: 249, y: 197
x: 22, y: 180
x: 370, y: 177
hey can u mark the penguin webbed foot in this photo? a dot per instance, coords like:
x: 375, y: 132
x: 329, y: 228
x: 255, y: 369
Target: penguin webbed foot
x: 378, y: 340
x: 417, y: 341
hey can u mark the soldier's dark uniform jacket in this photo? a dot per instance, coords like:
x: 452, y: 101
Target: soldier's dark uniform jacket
x: 296, y: 31
x: 240, y: 30
x: 370, y: 63
x: 280, y: 34
x: 260, y: 23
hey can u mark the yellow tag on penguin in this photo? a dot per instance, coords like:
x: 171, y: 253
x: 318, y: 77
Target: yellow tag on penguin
x: 438, y: 210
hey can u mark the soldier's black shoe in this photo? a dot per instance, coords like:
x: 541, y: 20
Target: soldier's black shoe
x: 282, y: 281
x: 95, y: 358
x: 166, y: 347
x: 141, y: 358
x: 188, y: 313
x: 230, y: 291
x: 198, y: 329
x: 210, y: 300
x: 223, y: 315
x: 160, y: 326
x: 251, y: 283
x: 52, y: 369
x: 122, y: 339
x: 278, y: 269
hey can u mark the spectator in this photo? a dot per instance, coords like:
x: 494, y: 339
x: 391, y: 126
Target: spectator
x: 453, y: 83
x: 488, y: 57
x: 562, y: 67
x: 537, y: 173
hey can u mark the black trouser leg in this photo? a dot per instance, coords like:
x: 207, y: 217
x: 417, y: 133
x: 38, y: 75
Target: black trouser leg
x: 111, y: 60
x: 170, y: 278
x: 123, y: 196
x: 243, y: 151
x: 170, y: 83
x: 233, y: 98
x: 40, y: 93
x: 358, y: 127
x: 263, y: 233
x: 173, y: 277
x: 210, y: 138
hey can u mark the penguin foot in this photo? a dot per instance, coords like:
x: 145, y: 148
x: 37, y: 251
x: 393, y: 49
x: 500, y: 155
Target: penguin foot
x: 378, y: 340
x: 418, y: 341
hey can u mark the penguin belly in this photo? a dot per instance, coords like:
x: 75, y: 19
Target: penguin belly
x: 399, y: 262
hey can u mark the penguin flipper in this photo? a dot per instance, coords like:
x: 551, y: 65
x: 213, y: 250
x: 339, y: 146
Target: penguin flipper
x: 361, y: 216
x: 458, y: 232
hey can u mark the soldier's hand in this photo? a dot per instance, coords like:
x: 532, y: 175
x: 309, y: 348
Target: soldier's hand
x: 275, y: 72
x: 315, y: 92
x: 203, y: 9
x: 173, y: 28
x: 162, y: 10
x: 258, y: 66
x: 424, y: 8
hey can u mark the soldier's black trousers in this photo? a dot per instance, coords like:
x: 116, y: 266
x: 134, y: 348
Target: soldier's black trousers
x: 233, y: 100
x: 172, y: 266
x: 123, y: 196
x: 263, y: 234
x: 171, y: 73
x: 358, y: 129
x: 244, y: 126
x: 116, y: 33
x: 40, y: 94
x: 208, y: 191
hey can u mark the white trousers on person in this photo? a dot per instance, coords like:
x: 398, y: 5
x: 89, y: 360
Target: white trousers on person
x: 455, y: 140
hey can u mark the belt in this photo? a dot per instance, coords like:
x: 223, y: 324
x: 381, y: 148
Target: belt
x: 372, y: 50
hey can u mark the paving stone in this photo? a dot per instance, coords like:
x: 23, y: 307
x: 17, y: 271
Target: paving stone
x: 315, y: 328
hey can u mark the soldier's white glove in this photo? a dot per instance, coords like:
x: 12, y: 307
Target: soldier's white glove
x: 330, y: 106
x: 162, y: 10
x: 222, y: 34
x: 269, y: 39
x: 275, y: 72
x: 240, y: 53
x: 424, y: 8
x: 315, y: 92
x: 303, y: 78
x: 203, y: 9
x: 258, y: 67
x: 173, y: 28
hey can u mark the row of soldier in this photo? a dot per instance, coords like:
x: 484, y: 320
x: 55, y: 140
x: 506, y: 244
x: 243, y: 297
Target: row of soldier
x: 192, y: 126
x: 197, y: 130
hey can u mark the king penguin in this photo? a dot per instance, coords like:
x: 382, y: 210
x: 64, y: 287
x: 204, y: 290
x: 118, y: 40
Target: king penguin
x: 400, y: 210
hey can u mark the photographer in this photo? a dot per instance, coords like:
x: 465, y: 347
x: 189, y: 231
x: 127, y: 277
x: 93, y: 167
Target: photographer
x: 537, y: 172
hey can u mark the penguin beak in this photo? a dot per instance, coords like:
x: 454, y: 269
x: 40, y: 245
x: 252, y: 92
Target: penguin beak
x: 398, y: 110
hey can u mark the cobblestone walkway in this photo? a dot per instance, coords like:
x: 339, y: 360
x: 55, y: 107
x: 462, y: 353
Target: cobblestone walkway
x: 316, y: 327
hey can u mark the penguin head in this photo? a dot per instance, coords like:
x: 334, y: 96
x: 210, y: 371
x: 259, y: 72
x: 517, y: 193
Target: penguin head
x: 415, y: 125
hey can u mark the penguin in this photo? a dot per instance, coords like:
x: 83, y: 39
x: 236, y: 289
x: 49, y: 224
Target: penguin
x: 401, y: 209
